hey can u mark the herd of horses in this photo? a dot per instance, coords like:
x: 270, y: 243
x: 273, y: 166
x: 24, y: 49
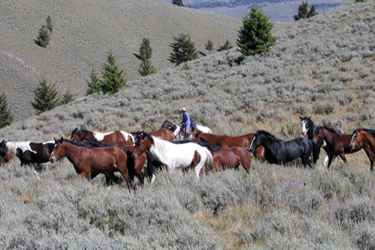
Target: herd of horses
x: 93, y: 153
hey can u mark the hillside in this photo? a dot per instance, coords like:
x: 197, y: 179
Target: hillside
x: 322, y: 67
x: 83, y: 34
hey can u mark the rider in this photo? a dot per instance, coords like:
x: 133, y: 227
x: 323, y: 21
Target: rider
x: 186, y: 120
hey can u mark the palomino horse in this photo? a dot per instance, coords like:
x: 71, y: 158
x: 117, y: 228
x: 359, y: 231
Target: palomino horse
x: 228, y: 157
x: 179, y: 131
x: 106, y: 137
x: 135, y: 167
x: 225, y: 141
x: 89, y: 162
x: 277, y: 151
x: 174, y: 155
x: 164, y: 133
x: 336, y: 144
x: 366, y: 138
x: 28, y: 152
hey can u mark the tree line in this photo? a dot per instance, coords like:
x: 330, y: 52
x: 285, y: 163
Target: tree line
x: 254, y: 37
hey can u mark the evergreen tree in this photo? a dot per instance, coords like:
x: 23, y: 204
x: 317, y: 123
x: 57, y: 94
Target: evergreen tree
x: 183, y: 50
x: 145, y: 68
x: 303, y: 11
x: 209, y: 45
x: 67, y: 97
x: 178, y: 3
x: 49, y: 24
x: 45, y: 97
x: 94, y: 84
x: 255, y: 35
x: 145, y: 50
x: 43, y: 38
x: 6, y: 118
x: 227, y: 46
x: 113, y: 78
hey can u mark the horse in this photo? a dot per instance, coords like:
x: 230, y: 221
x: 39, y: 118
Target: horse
x: 179, y: 131
x: 228, y: 157
x: 164, y: 133
x: 106, y: 137
x: 278, y: 151
x: 366, y: 138
x: 225, y: 141
x: 336, y: 144
x: 88, y: 162
x: 173, y: 155
x: 28, y: 152
x: 135, y: 166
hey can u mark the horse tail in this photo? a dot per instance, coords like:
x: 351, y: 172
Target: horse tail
x: 316, y: 150
x: 150, y: 166
x: 130, y: 163
x: 209, y: 163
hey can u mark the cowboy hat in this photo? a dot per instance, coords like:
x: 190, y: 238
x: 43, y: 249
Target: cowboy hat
x: 183, y: 109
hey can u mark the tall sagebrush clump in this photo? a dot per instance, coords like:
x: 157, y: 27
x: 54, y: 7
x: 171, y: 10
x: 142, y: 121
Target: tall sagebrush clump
x: 45, y: 97
x: 6, y: 118
x: 183, y: 49
x: 255, y: 35
x: 113, y: 77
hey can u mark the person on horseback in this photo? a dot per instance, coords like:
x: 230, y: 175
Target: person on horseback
x: 186, y: 121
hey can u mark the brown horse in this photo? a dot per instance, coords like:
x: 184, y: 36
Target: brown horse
x: 166, y: 134
x: 336, y: 144
x: 228, y: 157
x: 225, y: 141
x: 89, y: 162
x: 106, y: 137
x: 366, y: 138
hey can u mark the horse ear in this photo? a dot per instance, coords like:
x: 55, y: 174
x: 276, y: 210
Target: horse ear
x: 300, y: 118
x: 62, y: 139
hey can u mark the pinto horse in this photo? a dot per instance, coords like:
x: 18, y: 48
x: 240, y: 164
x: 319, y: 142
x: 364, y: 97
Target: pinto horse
x: 28, y: 152
x: 365, y: 137
x: 89, y: 162
x: 336, y: 144
x: 107, y: 137
x: 174, y: 155
x: 225, y: 141
x: 228, y: 157
x: 277, y: 151
x: 179, y: 131
x: 164, y: 133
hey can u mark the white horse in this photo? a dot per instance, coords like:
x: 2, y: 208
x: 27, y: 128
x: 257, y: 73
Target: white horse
x: 99, y: 136
x: 174, y: 155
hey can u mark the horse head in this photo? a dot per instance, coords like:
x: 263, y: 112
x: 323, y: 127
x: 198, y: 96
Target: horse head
x: 58, y: 150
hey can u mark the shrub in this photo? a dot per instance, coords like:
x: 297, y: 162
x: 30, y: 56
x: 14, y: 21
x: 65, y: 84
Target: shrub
x: 6, y: 117
x: 45, y: 97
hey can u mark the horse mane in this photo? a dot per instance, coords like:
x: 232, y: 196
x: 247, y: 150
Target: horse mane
x: 368, y: 131
x: 202, y: 142
x: 268, y: 135
x: 96, y: 144
x: 332, y: 129
x: 157, y: 142
x: 78, y: 144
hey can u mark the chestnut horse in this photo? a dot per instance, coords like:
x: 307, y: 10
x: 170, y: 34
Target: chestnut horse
x: 89, y: 162
x: 106, y: 137
x: 366, y: 138
x: 336, y: 144
x: 179, y: 131
x: 225, y: 141
x: 165, y: 134
x: 228, y: 157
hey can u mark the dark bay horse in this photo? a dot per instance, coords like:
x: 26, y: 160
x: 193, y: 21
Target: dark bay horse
x: 336, y: 144
x: 366, y: 138
x: 278, y: 151
x: 225, y: 141
x: 228, y: 157
x: 164, y: 133
x: 106, y: 137
x: 89, y: 162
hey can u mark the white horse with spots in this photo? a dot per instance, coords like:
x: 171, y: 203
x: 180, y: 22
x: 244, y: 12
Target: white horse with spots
x: 99, y: 136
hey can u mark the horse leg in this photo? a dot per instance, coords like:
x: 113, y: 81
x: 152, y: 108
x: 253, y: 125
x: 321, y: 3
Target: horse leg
x: 122, y: 167
x: 258, y: 154
x: 246, y: 161
x: 110, y: 177
x: 330, y: 158
x: 342, y: 156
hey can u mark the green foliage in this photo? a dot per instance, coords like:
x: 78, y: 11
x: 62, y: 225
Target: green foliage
x: 303, y: 11
x: 227, y: 46
x: 186, y: 66
x: 94, y: 84
x: 43, y: 38
x: 49, y: 24
x: 67, y: 97
x: 209, y: 45
x: 45, y: 97
x: 183, y: 49
x: 6, y: 118
x: 359, y: 1
x: 255, y: 35
x: 113, y: 77
x: 178, y: 3
x: 145, y: 50
x: 146, y: 68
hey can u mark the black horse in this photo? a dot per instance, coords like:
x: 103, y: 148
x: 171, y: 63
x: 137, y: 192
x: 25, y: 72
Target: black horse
x: 277, y: 151
x: 309, y: 128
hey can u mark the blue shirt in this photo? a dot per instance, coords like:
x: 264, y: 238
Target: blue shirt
x: 186, y: 118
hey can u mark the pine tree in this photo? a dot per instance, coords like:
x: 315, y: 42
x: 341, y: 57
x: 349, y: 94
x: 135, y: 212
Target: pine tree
x: 113, y: 78
x: 209, y: 45
x: 94, y: 85
x: 255, y: 35
x: 45, y: 97
x: 227, y: 46
x: 145, y: 68
x: 183, y: 50
x: 6, y: 118
x: 145, y: 50
x: 178, y: 3
x: 49, y: 24
x: 43, y: 38
x: 67, y: 97
x: 303, y: 11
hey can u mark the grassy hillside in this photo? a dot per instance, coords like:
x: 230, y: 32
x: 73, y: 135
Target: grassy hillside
x: 322, y: 67
x: 83, y: 34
